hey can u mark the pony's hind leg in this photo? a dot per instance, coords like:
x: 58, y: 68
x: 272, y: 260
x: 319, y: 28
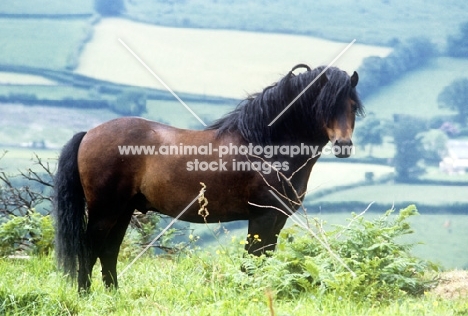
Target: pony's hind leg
x: 110, y: 251
x: 98, y: 228
x: 92, y: 244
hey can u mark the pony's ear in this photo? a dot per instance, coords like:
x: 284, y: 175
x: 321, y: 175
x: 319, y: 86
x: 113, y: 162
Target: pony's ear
x: 354, y: 80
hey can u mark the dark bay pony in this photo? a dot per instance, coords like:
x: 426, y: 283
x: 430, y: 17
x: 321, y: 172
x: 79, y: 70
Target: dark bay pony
x: 94, y: 173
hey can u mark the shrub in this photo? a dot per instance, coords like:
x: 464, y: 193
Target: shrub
x: 382, y: 266
x: 32, y: 234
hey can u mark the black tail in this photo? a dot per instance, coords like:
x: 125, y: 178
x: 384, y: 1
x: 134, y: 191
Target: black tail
x: 69, y: 209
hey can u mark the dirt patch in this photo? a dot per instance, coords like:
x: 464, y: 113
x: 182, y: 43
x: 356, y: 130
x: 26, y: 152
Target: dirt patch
x: 453, y: 285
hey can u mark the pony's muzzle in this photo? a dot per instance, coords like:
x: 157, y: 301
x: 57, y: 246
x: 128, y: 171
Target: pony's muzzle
x: 343, y: 148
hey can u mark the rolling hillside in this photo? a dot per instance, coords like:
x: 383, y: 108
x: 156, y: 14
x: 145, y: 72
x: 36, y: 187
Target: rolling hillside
x: 416, y: 92
x: 207, y: 62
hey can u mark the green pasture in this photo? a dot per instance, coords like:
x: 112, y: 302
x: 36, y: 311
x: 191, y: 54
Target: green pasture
x: 175, y: 114
x: 20, y: 159
x: 368, y: 21
x: 402, y: 193
x: 47, y: 92
x: 192, y: 285
x: 49, y: 7
x: 416, y: 92
x: 42, y: 43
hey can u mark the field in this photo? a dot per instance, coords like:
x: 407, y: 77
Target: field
x: 24, y: 124
x: 402, y: 193
x: 202, y: 281
x: 381, y: 22
x: 213, y: 48
x: 182, y: 287
x: 207, y: 62
x: 49, y: 7
x: 45, y: 43
x: 416, y: 92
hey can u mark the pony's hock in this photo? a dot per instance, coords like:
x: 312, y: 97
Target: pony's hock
x: 92, y: 173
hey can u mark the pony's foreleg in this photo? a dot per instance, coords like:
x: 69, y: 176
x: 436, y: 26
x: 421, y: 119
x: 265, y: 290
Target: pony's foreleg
x: 263, y: 231
x: 110, y: 250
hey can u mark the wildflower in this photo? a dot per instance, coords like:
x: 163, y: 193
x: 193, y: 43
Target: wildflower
x: 255, y: 236
x: 243, y: 242
x: 190, y: 237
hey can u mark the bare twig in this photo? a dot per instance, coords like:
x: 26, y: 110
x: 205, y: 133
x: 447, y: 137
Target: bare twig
x: 17, y: 199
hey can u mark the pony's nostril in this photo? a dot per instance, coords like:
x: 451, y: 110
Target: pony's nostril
x: 343, y: 148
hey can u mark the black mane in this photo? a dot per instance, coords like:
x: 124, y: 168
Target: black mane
x: 304, y: 120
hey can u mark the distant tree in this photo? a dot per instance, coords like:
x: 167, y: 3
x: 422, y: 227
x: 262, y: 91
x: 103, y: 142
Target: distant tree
x: 370, y: 132
x: 109, y: 7
x: 455, y: 97
x: 129, y: 103
x: 406, y: 136
x: 434, y: 145
x: 457, y: 46
x: 379, y: 71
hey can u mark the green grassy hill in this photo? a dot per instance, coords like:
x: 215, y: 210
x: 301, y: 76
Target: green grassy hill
x: 372, y: 22
x: 44, y: 43
x: 49, y: 7
x: 416, y: 92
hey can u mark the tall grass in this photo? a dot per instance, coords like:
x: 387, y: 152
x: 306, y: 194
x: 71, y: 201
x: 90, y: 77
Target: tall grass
x: 208, y: 281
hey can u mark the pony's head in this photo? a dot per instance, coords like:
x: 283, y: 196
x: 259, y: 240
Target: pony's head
x: 340, y: 126
x: 330, y: 106
x: 314, y: 107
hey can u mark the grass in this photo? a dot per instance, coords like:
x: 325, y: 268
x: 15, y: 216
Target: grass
x: 189, y: 285
x: 207, y: 62
x: 24, y: 124
x: 49, y: 92
x: 367, y: 21
x: 175, y: 114
x: 43, y: 43
x: 401, y: 193
x: 47, y: 7
x: 416, y: 92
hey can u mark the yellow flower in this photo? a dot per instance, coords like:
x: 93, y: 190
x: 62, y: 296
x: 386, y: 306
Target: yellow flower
x: 218, y: 252
x: 190, y: 237
x: 243, y: 242
x: 255, y: 236
x: 435, y: 303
